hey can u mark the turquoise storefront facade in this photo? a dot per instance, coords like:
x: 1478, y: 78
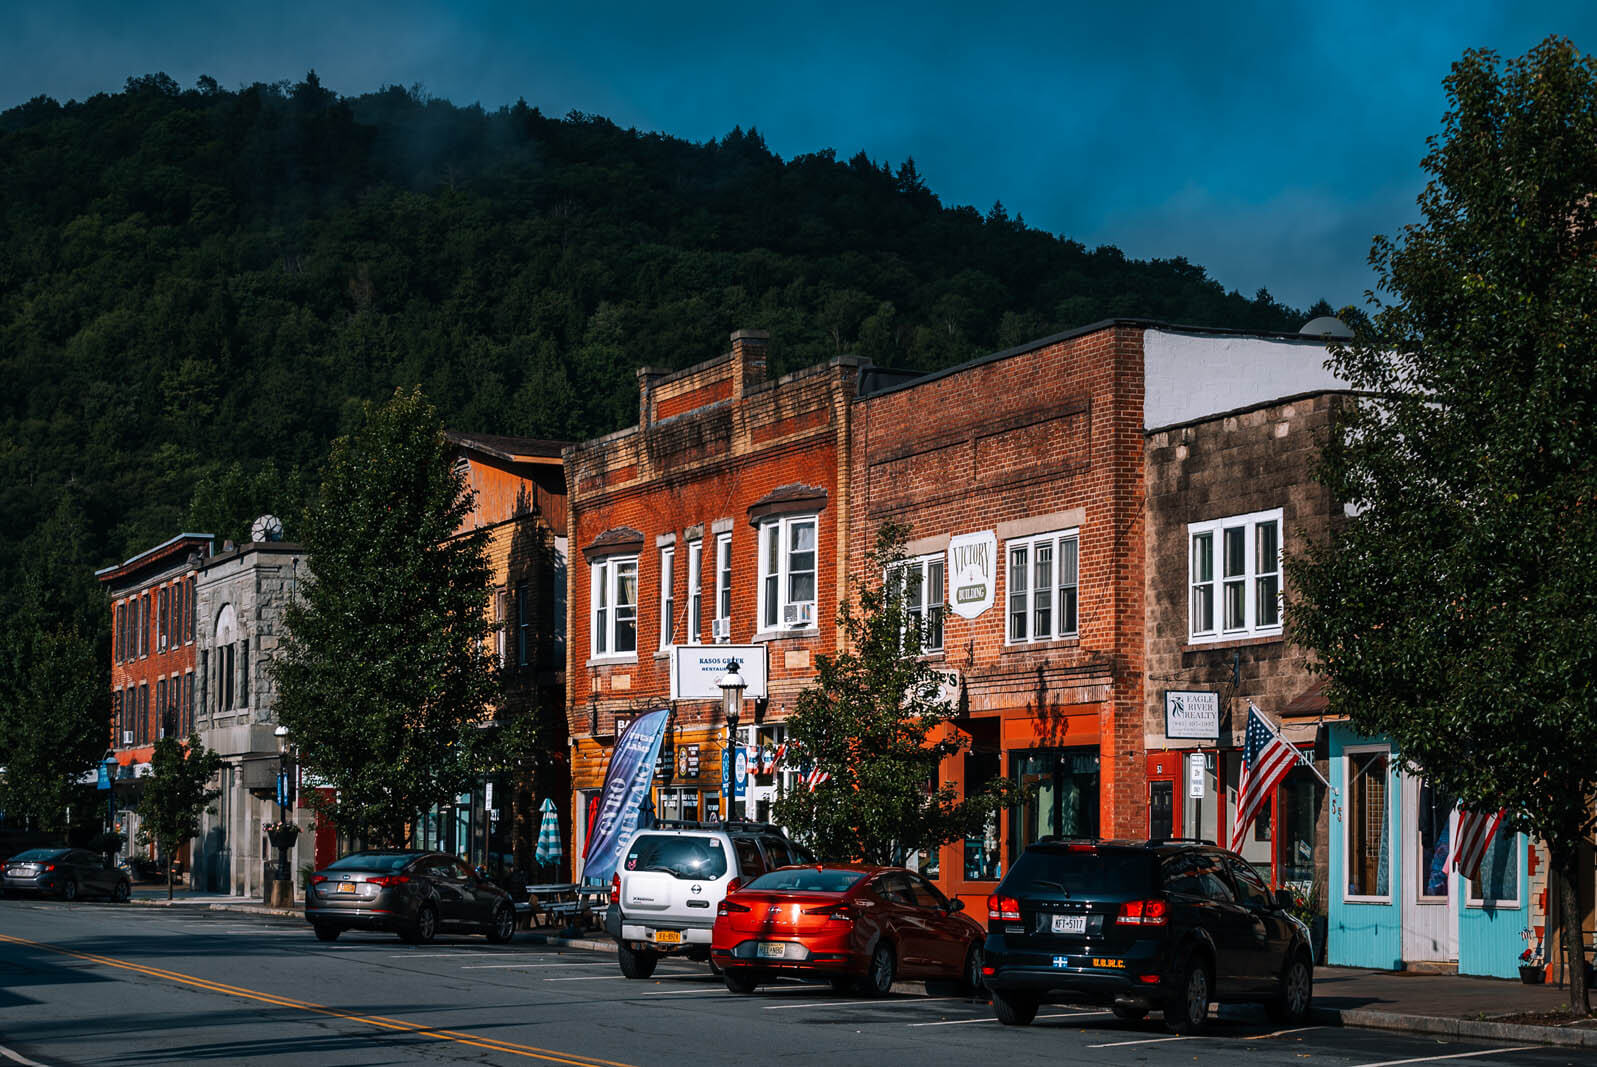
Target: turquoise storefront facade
x: 1373, y: 893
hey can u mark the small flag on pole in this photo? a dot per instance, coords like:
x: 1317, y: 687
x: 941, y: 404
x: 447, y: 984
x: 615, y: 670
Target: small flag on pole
x: 1475, y: 832
x: 816, y: 777
x: 1266, y: 759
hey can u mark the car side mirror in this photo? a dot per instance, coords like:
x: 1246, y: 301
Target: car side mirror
x: 955, y: 904
x: 1283, y: 899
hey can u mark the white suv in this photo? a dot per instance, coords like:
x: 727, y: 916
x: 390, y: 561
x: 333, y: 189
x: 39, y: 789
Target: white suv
x: 663, y: 896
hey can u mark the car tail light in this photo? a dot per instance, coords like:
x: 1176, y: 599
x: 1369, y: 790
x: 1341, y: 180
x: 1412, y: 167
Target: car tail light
x: 318, y: 879
x: 1143, y: 913
x: 728, y: 907
x: 840, y: 913
x: 49, y: 867
x: 1148, y: 979
x: 988, y: 970
x: 388, y: 880
x: 999, y: 908
x: 615, y: 888
x: 1082, y: 848
x: 734, y: 885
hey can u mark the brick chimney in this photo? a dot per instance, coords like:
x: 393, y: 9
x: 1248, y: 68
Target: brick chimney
x: 648, y: 377
x: 748, y: 359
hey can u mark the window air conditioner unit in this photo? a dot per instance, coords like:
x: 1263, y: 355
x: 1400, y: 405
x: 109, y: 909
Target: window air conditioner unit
x: 127, y: 737
x: 798, y: 614
x: 721, y: 629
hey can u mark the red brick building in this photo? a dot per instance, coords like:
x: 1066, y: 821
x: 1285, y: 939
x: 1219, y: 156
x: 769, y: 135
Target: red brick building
x: 152, y: 656
x: 719, y: 517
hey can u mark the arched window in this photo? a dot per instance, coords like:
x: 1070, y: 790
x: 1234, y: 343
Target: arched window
x: 226, y: 664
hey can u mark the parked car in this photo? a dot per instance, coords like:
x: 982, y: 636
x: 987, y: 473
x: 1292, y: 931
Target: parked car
x: 1142, y: 926
x: 67, y: 873
x: 410, y: 892
x: 672, y: 876
x: 860, y: 927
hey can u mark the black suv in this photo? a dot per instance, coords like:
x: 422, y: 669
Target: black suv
x: 1142, y: 925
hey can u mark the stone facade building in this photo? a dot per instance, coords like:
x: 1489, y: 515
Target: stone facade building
x: 243, y: 593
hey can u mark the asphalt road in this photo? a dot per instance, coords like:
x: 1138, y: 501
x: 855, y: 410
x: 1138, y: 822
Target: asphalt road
x: 97, y: 983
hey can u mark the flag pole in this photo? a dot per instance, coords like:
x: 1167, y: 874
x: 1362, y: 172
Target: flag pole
x: 1298, y: 752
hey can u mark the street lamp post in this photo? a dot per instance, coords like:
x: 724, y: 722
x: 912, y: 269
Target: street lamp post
x: 732, y: 685
x: 282, y: 836
x: 109, y: 765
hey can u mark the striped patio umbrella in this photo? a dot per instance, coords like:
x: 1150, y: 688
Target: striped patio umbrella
x: 549, y: 850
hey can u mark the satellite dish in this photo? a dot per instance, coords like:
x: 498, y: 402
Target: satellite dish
x: 1326, y: 326
x: 267, y: 528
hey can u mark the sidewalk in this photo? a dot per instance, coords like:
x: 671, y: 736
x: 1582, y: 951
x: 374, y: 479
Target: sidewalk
x: 1343, y: 996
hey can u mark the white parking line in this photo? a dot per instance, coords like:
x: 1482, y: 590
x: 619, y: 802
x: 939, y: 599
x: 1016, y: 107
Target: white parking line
x: 1144, y: 1041
x: 524, y: 966
x: 676, y: 992
x: 963, y: 1022
x: 17, y: 1057
x: 1451, y: 1056
x: 862, y: 1003
x: 429, y: 955
x: 1279, y: 1033
x: 594, y: 978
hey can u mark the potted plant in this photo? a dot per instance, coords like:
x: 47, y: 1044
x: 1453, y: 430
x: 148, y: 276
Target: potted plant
x: 1306, y: 909
x: 282, y: 835
x: 1532, y: 968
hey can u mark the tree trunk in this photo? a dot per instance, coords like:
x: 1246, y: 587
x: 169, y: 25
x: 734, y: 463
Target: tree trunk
x: 1565, y: 861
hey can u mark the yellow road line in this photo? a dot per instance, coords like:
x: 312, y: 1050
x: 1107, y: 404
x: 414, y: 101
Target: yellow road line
x: 379, y: 1021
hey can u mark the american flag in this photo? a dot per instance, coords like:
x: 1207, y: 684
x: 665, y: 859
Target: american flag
x: 1266, y: 759
x: 815, y: 777
x: 1475, y: 832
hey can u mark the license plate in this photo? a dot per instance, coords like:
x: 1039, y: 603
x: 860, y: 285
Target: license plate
x: 1069, y: 924
x: 771, y: 950
x: 667, y: 937
x: 346, y: 887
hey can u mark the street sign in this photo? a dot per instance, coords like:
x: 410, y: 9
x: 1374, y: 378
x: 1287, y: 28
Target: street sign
x: 1195, y: 773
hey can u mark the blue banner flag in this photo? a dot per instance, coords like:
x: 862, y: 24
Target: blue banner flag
x: 626, y: 784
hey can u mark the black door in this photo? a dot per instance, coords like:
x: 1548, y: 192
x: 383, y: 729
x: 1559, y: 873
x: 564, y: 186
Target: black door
x: 1266, y: 946
x: 1161, y: 810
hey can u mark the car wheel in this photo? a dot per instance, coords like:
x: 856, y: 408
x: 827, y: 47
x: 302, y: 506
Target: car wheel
x: 503, y: 927
x: 1129, y: 1012
x: 1013, y: 1009
x: 636, y: 963
x: 69, y: 889
x: 120, y: 893
x: 1291, y: 1004
x: 970, y: 979
x: 878, y: 979
x: 1189, y: 1011
x: 424, y: 929
x: 741, y: 981
x: 326, y: 933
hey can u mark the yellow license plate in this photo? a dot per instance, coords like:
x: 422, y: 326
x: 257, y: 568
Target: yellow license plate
x: 667, y: 937
x: 346, y: 887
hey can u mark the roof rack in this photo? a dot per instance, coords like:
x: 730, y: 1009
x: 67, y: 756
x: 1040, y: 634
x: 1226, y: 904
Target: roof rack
x: 1183, y: 840
x: 717, y: 824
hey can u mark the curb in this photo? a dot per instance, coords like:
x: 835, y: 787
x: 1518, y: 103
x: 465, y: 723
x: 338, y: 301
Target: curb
x: 566, y: 942
x: 1434, y: 1024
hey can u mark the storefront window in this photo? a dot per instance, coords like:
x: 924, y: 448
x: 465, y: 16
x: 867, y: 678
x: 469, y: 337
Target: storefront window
x: 1298, y: 801
x: 983, y: 860
x: 1433, y: 840
x: 679, y: 804
x: 1368, y: 866
x: 1200, y: 816
x: 1497, y: 882
x: 1059, y: 795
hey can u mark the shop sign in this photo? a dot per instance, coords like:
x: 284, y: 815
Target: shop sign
x: 1192, y: 713
x: 972, y: 572
x: 688, y: 761
x: 696, y: 668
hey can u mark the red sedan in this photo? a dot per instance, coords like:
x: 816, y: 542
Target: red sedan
x: 860, y: 927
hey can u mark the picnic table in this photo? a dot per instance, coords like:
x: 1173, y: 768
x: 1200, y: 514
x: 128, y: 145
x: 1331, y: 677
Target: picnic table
x: 567, y: 901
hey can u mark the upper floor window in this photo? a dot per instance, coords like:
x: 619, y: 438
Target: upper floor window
x: 1234, y: 574
x: 614, y: 598
x: 523, y: 624
x: 668, y: 600
x: 120, y: 644
x: 922, y: 592
x: 695, y: 591
x: 163, y: 617
x: 787, y: 572
x: 188, y: 612
x: 1042, y: 593
x: 723, y: 586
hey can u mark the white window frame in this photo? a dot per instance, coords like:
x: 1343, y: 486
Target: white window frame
x: 922, y: 566
x: 772, y: 607
x: 668, y: 602
x: 695, y: 628
x: 603, y: 574
x: 1474, y: 900
x: 1392, y: 830
x: 1251, y: 578
x: 1055, y: 540
x: 723, y: 577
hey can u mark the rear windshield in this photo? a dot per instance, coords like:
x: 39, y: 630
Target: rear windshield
x: 1108, y: 874
x: 38, y: 854
x: 808, y: 880
x: 372, y: 861
x: 678, y: 856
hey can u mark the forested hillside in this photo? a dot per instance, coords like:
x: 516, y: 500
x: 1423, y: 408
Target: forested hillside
x: 198, y: 288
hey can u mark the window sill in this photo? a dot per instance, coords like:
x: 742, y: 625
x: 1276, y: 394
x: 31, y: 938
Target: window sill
x: 1384, y: 902
x: 1495, y: 905
x: 1225, y: 643
x: 607, y: 661
x: 766, y: 636
x: 1040, y: 646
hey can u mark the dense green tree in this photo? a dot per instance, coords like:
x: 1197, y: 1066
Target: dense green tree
x: 387, y: 669
x: 1455, y: 611
x: 176, y: 793
x: 875, y: 722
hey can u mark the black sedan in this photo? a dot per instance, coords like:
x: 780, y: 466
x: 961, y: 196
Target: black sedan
x: 410, y: 892
x: 67, y: 873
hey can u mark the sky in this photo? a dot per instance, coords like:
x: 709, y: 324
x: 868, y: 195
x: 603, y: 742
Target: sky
x: 1268, y: 142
